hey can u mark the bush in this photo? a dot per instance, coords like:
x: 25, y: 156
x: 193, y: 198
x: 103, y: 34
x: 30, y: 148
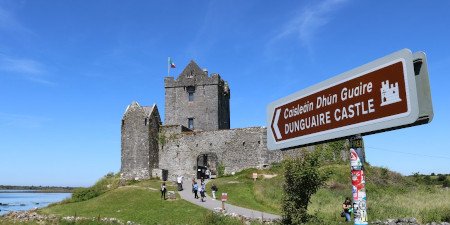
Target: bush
x: 302, y: 180
x: 220, y: 169
x: 83, y: 194
x: 441, y: 177
x: 446, y: 183
x: 427, y: 180
x: 109, y: 182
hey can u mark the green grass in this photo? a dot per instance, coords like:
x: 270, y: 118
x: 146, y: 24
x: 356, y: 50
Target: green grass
x: 390, y: 195
x: 262, y: 195
x: 135, y: 203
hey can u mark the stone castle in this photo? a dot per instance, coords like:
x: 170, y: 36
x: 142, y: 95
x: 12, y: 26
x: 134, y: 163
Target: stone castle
x: 196, y: 133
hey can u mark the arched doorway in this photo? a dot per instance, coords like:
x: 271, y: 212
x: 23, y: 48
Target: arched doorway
x: 207, y: 161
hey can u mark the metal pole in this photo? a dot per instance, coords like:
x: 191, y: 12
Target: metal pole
x: 168, y: 66
x: 357, y: 160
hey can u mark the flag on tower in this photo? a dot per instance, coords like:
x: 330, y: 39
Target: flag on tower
x: 171, y: 63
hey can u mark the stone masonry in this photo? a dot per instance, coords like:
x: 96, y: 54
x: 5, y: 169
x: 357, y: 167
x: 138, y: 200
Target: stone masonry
x: 140, y: 126
x: 208, y: 106
x: 195, y: 134
x: 236, y: 149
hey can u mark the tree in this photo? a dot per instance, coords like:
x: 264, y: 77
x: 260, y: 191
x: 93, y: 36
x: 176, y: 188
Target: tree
x: 302, y: 180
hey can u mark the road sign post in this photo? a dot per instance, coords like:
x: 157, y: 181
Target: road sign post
x: 357, y: 160
x: 224, y: 198
x: 389, y: 93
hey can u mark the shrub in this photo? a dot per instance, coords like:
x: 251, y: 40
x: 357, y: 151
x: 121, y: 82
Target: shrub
x: 427, y: 180
x: 446, y: 183
x: 83, y: 194
x: 302, y: 180
x: 108, y: 182
x: 441, y: 177
x: 221, y: 169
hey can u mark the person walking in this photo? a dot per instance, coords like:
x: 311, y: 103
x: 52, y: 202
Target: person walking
x: 163, y: 190
x: 202, y: 190
x: 193, y: 182
x: 347, y: 206
x: 213, y: 190
x: 195, y: 190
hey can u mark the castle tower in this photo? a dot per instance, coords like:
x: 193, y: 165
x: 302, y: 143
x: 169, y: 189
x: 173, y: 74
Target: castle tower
x: 140, y: 150
x: 196, y: 100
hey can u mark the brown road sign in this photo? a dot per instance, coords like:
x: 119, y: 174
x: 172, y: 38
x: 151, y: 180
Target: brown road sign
x: 373, y: 97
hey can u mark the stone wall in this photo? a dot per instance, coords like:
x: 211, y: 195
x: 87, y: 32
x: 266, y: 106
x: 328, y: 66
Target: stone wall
x: 237, y: 149
x: 210, y: 106
x: 139, y: 155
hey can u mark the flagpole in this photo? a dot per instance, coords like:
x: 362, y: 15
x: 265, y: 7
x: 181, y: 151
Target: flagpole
x: 168, y: 66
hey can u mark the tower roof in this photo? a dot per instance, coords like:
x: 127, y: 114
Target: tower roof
x: 192, y: 70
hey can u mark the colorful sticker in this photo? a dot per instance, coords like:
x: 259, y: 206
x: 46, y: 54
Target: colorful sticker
x: 355, y: 162
x: 358, y: 187
x: 355, y: 192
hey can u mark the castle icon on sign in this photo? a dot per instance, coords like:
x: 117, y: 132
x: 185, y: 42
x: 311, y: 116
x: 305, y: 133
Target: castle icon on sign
x: 389, y: 93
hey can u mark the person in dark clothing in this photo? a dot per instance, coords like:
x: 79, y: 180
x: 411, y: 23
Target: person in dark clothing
x: 213, y: 190
x: 346, y: 206
x: 163, y: 190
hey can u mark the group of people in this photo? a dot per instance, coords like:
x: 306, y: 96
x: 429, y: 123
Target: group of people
x: 196, y: 188
x: 164, y: 187
x: 202, y: 189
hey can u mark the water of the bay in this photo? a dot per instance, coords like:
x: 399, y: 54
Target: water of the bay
x: 21, y: 200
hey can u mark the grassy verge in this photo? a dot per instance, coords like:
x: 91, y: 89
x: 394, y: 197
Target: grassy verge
x: 262, y: 195
x: 390, y: 195
x: 137, y: 203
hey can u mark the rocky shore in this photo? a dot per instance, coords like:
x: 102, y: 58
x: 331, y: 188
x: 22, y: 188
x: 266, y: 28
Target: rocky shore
x: 33, y: 216
x: 404, y: 221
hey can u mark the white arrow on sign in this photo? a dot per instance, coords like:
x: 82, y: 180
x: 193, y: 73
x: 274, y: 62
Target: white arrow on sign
x: 275, y: 124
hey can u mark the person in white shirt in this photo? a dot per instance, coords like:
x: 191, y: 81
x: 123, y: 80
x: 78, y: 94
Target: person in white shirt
x: 180, y: 183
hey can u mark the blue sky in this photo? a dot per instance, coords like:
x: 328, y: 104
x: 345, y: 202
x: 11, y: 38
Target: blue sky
x: 68, y: 69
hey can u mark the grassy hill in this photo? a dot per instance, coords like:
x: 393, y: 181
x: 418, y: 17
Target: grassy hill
x: 390, y: 195
x: 139, y: 202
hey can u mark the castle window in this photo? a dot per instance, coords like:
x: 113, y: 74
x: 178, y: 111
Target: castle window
x: 190, y: 90
x: 191, y: 123
x: 145, y: 123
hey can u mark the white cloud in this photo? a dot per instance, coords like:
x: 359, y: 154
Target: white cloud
x: 308, y: 21
x: 9, y: 22
x: 21, y: 121
x: 27, y: 68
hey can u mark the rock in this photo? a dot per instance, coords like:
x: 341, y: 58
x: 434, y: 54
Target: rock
x: 171, y: 195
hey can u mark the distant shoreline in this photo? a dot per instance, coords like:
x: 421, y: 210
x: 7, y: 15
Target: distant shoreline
x: 35, y: 189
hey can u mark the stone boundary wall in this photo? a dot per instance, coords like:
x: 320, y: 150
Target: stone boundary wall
x: 237, y: 149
